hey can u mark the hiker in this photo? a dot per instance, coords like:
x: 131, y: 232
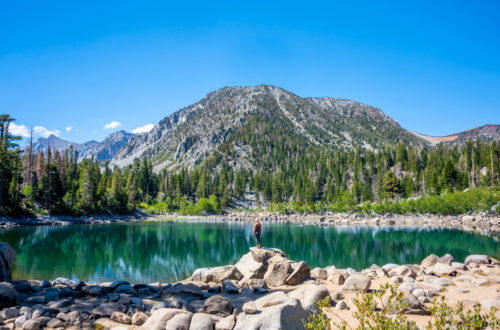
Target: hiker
x: 257, y: 231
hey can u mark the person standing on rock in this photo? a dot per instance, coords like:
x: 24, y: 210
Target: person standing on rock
x: 257, y: 231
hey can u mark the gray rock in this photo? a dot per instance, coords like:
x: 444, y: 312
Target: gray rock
x: 186, y: 292
x: 179, y: 322
x: 217, y: 274
x: 7, y: 256
x: 262, y: 255
x: 179, y: 303
x: 406, y: 286
x: 121, y: 318
x: 249, y: 307
x: 201, y: 321
x: 9, y: 313
x: 31, y: 325
x: 479, y: 259
x: 308, y: 294
x: 42, y: 320
x: 226, y: 323
x: 45, y: 284
x: 418, y: 292
x: 250, y: 268
x: 139, y: 318
x: 8, y: 295
x: 125, y: 288
x: 389, y: 267
x: 275, y: 298
x: 52, y: 294
x: 300, y: 272
x: 357, y: 282
x: 287, y: 315
x: 229, y: 287
x: 116, y: 284
x: 19, y: 322
x: 401, y: 271
x: 61, y: 303
x: 107, y: 309
x: 259, y: 290
x: 215, y: 289
x: 35, y: 300
x: 63, y: 281
x: 55, y: 323
x: 160, y: 317
x: 341, y: 305
x: 319, y: 273
x: 277, y: 272
x: 218, y: 305
x: 337, y: 279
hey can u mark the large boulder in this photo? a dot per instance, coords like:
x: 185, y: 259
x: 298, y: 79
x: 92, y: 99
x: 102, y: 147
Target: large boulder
x: 357, y: 282
x: 440, y: 269
x: 287, y: 315
x: 8, y: 295
x: 159, y: 318
x: 179, y: 322
x: 262, y: 255
x: 186, y: 292
x: 218, y: 305
x: 7, y: 256
x: 319, y: 273
x: 480, y: 259
x: 250, y: 268
x: 277, y: 271
x: 300, y: 272
x: 275, y: 298
x: 202, y: 321
x: 217, y: 274
x: 309, y: 293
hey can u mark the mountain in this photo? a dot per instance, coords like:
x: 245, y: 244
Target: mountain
x: 102, y: 151
x: 485, y: 133
x: 234, y: 123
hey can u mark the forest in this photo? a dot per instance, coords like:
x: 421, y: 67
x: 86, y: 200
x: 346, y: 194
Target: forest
x: 289, y: 177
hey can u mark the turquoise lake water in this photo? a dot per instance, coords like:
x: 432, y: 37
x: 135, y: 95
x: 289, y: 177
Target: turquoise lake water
x: 142, y: 252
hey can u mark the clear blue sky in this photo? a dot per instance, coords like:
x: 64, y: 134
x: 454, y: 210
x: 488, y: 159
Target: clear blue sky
x: 434, y: 66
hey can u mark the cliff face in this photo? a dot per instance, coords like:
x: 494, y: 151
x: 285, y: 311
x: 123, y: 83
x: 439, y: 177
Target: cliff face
x: 234, y: 121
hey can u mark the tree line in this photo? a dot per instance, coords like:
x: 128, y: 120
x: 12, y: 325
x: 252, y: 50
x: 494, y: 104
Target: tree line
x: 287, y: 172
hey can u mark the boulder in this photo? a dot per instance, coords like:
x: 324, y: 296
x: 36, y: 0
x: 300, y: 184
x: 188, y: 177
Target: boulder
x: 179, y: 303
x: 275, y: 298
x: 218, y: 305
x: 287, y: 315
x: 125, y: 288
x: 277, y: 272
x: 226, y: 323
x: 262, y: 255
x: 31, y: 325
x: 401, y: 271
x: 9, y: 313
x: 121, y: 318
x: 202, y: 321
x: 186, y: 292
x: 414, y: 305
x: 229, y: 287
x: 8, y: 295
x: 341, y: 305
x: 479, y: 259
x: 250, y: 268
x: 216, y: 274
x: 319, y: 273
x: 300, y: 273
x: 160, y: 317
x: 139, y: 318
x: 179, y: 322
x: 63, y: 281
x: 357, y: 282
x: 7, y: 256
x: 388, y: 267
x: 107, y: 309
x: 249, y: 307
x: 337, y: 279
x: 429, y: 261
x: 55, y: 323
x: 310, y: 293
x: 440, y: 269
x: 52, y: 294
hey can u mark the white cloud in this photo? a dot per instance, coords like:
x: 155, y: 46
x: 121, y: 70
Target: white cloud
x: 112, y: 125
x: 69, y: 128
x: 143, y: 129
x: 45, y: 132
x: 19, y: 130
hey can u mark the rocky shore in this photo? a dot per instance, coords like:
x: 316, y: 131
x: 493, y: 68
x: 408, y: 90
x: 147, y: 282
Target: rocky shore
x: 484, y: 223
x: 263, y: 290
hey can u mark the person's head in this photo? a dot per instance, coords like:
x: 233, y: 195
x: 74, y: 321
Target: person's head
x: 257, y: 220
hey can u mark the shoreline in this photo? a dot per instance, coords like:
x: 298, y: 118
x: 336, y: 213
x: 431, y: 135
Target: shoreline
x: 257, y: 290
x: 485, y: 223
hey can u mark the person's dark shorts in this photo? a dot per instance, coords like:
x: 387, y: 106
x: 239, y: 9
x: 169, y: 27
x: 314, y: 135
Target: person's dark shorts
x: 257, y: 238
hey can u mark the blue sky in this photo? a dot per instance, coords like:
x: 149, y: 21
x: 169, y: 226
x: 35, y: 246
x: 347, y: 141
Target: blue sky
x: 72, y: 67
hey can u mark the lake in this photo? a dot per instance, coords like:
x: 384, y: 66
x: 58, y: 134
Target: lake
x: 142, y: 252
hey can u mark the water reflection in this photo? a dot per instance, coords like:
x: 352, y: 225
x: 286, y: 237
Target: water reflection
x: 167, y: 251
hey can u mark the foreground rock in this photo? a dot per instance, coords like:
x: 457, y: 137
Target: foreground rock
x: 7, y: 256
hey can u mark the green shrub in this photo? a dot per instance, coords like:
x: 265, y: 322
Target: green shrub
x: 318, y: 320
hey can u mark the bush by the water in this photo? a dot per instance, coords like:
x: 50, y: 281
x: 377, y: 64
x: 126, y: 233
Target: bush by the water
x: 185, y: 207
x: 457, y: 202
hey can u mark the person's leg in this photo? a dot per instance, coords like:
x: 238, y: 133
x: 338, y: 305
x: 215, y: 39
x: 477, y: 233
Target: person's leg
x: 258, y: 240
